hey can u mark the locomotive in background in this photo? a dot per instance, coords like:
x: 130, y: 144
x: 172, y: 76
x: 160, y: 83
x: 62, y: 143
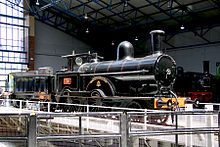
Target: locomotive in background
x: 202, y: 86
x: 126, y: 82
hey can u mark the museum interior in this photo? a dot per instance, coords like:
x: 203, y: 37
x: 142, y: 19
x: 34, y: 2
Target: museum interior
x: 110, y: 73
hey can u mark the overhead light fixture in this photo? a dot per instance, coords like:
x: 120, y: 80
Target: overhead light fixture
x: 37, y: 3
x: 113, y: 43
x: 182, y: 27
x: 136, y: 38
x: 86, y: 16
x: 126, y: 3
x: 87, y: 30
x: 168, y: 4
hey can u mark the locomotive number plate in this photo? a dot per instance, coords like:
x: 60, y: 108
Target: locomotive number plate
x: 67, y: 81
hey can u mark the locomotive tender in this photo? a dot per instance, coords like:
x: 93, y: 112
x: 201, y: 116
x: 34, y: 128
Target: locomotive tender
x: 126, y: 82
x: 31, y: 85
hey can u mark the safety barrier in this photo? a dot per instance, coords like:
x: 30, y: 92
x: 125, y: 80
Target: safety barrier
x: 61, y: 107
x: 103, y: 129
x: 130, y: 128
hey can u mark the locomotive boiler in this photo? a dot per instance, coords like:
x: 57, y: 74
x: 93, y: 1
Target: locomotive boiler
x: 127, y: 81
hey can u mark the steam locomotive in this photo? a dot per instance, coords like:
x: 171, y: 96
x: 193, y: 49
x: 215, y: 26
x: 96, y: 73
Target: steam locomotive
x: 126, y: 82
x: 197, y: 85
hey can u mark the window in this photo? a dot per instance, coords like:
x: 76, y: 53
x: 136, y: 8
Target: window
x: 13, y: 55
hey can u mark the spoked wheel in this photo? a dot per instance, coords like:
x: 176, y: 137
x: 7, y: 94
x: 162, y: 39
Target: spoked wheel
x: 133, y: 105
x: 68, y: 107
x: 159, y: 119
x: 97, y: 93
x: 97, y: 100
x: 98, y: 106
x: 44, y: 106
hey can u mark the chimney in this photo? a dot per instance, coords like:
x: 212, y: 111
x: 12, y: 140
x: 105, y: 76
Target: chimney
x: 156, y: 36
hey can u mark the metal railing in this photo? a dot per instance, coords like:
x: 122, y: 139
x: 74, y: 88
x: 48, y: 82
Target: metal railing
x: 14, y: 128
x: 62, y: 107
x: 186, y: 128
x: 78, y: 129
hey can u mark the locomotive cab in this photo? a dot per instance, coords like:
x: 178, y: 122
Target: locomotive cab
x: 76, y: 60
x: 70, y: 82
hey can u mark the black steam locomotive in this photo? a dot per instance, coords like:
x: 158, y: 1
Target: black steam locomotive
x: 197, y: 85
x: 126, y: 82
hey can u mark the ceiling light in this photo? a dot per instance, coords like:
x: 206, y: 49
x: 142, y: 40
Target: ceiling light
x: 168, y: 4
x: 126, y: 3
x: 87, y: 30
x: 86, y: 16
x: 182, y: 27
x: 136, y: 38
x: 113, y: 43
x: 37, y: 3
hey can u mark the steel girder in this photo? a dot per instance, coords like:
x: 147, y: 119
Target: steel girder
x: 98, y: 19
x: 49, y: 11
x: 171, y: 16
